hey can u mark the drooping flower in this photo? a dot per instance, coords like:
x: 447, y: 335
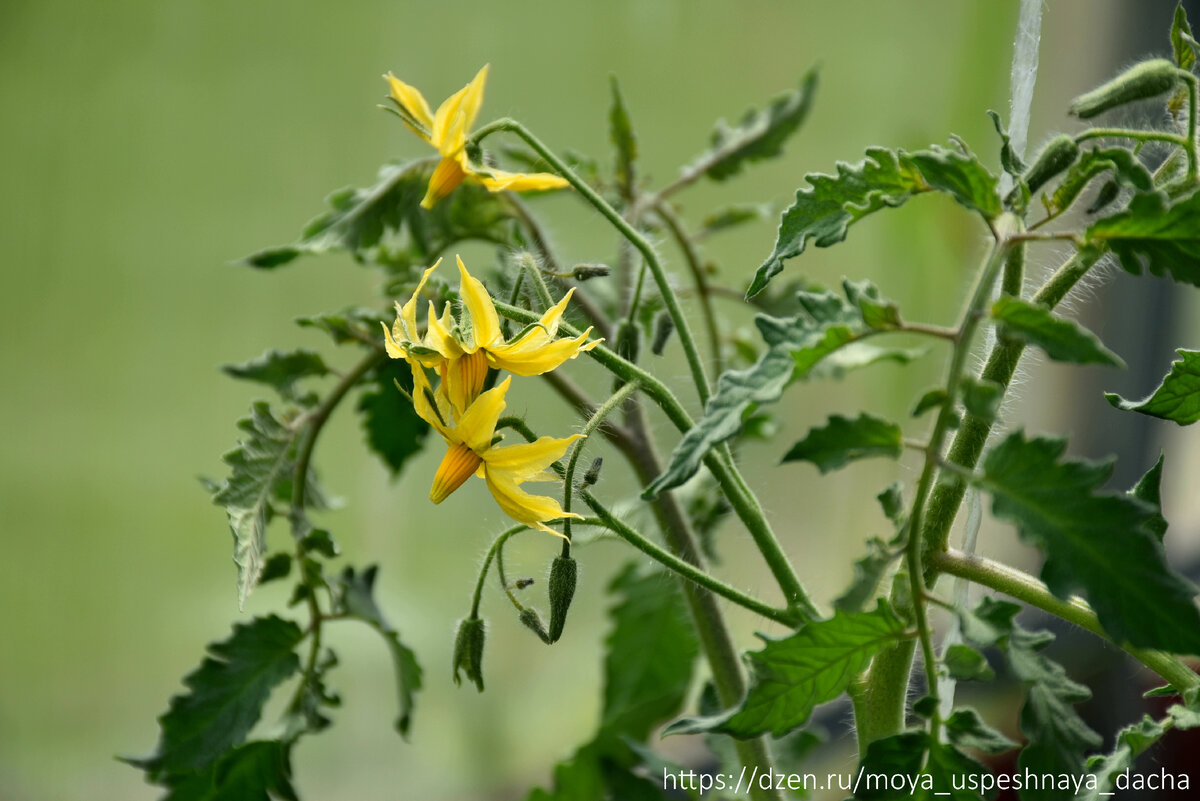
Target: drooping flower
x: 446, y: 129
x: 462, y: 351
x: 472, y: 451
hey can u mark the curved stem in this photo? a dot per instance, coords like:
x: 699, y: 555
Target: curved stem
x: 487, y: 563
x: 692, y: 258
x: 1131, y: 133
x: 607, y: 408
x: 1024, y: 587
x: 699, y: 377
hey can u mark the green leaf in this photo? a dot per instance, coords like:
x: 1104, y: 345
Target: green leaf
x: 1062, y: 340
x: 262, y: 467
x: 650, y: 653
x: 354, y: 324
x: 1009, y: 160
x: 844, y: 440
x: 280, y: 370
x: 277, y: 566
x: 1183, y: 50
x: 385, y: 222
x: 981, y: 397
x: 961, y: 176
x: 966, y: 729
x: 825, y: 210
x: 1184, y: 717
x: 1131, y: 741
x: 1177, y: 397
x: 394, y: 431
x: 891, y: 500
x: 257, y: 771
x: 795, y: 345
x: 729, y: 217
x: 895, y: 767
x: 620, y: 132
x: 1097, y: 544
x: 1163, y: 238
x: 964, y: 663
x: 759, y: 135
x: 1147, y: 490
x: 1123, y: 164
x: 356, y: 598
x: 793, y: 675
x: 869, y: 570
x: 930, y: 400
x: 878, y: 312
x: 225, y: 697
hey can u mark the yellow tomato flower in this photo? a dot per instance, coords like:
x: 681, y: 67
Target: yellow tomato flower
x: 446, y: 129
x: 462, y: 352
x: 471, y: 438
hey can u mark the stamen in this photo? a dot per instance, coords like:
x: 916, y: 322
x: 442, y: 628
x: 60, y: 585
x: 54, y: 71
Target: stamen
x: 459, y: 463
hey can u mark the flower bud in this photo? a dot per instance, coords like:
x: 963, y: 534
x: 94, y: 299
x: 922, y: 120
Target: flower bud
x: 593, y: 472
x: 530, y: 618
x: 1107, y: 194
x: 583, y: 272
x: 664, y: 326
x: 1058, y: 154
x: 1139, y: 82
x: 563, y: 574
x: 468, y: 650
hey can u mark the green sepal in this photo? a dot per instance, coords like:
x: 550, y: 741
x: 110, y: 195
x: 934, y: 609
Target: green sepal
x: 1057, y: 155
x: 844, y: 440
x: 1122, y: 164
x: 468, y: 651
x: 564, y: 573
x: 1177, y: 398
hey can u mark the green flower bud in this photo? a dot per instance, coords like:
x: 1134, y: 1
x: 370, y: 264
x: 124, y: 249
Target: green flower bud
x: 583, y: 272
x: 468, y: 650
x: 1107, y: 194
x: 593, y: 472
x: 1139, y: 82
x: 530, y: 618
x: 1058, y: 154
x: 664, y: 326
x: 563, y: 574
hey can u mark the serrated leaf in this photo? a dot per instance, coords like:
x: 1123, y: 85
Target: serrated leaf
x: 1184, y: 717
x: 869, y: 571
x: 843, y: 440
x: 981, y: 397
x: 961, y: 176
x: 891, y: 500
x: 386, y: 223
x: 356, y: 598
x: 966, y: 729
x: 1123, y: 165
x: 650, y: 653
x: 964, y: 663
x: 1061, y: 339
x: 1131, y: 741
x: 793, y: 675
x: 759, y: 135
x: 1009, y: 160
x: 225, y: 697
x: 896, y: 767
x: 825, y: 210
x: 354, y: 324
x: 280, y: 370
x: 877, y: 312
x: 257, y: 771
x: 620, y: 133
x: 930, y: 400
x: 795, y: 345
x: 1097, y: 544
x: 1177, y: 398
x: 1149, y: 233
x: 1148, y: 491
x: 394, y: 430
x: 1181, y: 32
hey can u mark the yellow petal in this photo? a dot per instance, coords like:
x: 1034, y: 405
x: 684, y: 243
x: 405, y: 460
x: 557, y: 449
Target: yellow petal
x: 477, y: 425
x: 412, y: 101
x: 532, y: 510
x: 446, y: 178
x: 459, y: 110
x: 522, y: 359
x: 407, y: 314
x: 457, y: 466
x: 393, y: 348
x: 438, y: 334
x: 485, y: 323
x: 473, y: 97
x: 432, y: 407
x: 463, y: 379
x: 527, y: 461
x: 499, y: 181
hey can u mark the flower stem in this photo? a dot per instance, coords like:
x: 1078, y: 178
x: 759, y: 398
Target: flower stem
x: 606, y: 408
x: 487, y: 563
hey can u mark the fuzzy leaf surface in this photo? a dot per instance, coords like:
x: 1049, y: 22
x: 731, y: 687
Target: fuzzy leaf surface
x: 961, y: 176
x: 1131, y: 741
x: 280, y: 370
x: 1162, y: 237
x: 1177, y: 398
x: 844, y: 440
x: 1061, y: 339
x: 1095, y: 544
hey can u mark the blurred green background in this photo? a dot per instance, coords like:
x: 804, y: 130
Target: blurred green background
x: 147, y: 145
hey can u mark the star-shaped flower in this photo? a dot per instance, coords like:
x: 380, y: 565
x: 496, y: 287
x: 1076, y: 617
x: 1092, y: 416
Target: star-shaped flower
x: 446, y: 129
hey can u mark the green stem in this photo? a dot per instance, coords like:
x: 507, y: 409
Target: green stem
x: 1024, y: 587
x: 607, y: 408
x: 695, y: 364
x: 1131, y: 133
x: 692, y: 258
x: 487, y: 563
x: 1191, y: 144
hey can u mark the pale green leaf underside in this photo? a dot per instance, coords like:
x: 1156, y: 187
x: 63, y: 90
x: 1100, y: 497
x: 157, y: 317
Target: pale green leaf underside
x: 1061, y: 339
x: 843, y: 440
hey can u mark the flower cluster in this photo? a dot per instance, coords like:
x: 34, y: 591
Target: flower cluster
x: 460, y: 352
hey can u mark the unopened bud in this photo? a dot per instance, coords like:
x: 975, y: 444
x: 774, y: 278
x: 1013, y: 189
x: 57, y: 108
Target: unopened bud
x: 1058, y: 154
x: 563, y: 574
x: 1139, y: 82
x: 583, y: 272
x: 530, y: 618
x: 593, y: 473
x: 1107, y: 194
x: 468, y: 650
x: 664, y: 326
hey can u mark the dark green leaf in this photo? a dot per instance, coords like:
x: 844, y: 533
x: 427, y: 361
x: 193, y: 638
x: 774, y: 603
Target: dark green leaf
x: 961, y: 176
x: 964, y: 663
x: 280, y: 370
x: 277, y: 566
x: 356, y: 598
x: 225, y: 697
x: 1131, y: 741
x: 793, y: 675
x: 759, y: 135
x: 1149, y: 232
x: 967, y: 730
x: 1122, y: 164
x: 650, y: 653
x: 869, y: 570
x: 930, y: 400
x: 1062, y: 340
x: 393, y: 429
x: 795, y: 346
x: 1148, y: 491
x: 895, y: 767
x: 257, y: 771
x: 1094, y: 543
x: 732, y: 216
x: 320, y: 541
x: 1177, y: 397
x: 1184, y: 51
x: 825, y: 210
x: 891, y: 500
x: 844, y: 440
x: 354, y: 324
x: 385, y: 222
x: 1009, y: 160
x: 981, y: 397
x: 620, y: 132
